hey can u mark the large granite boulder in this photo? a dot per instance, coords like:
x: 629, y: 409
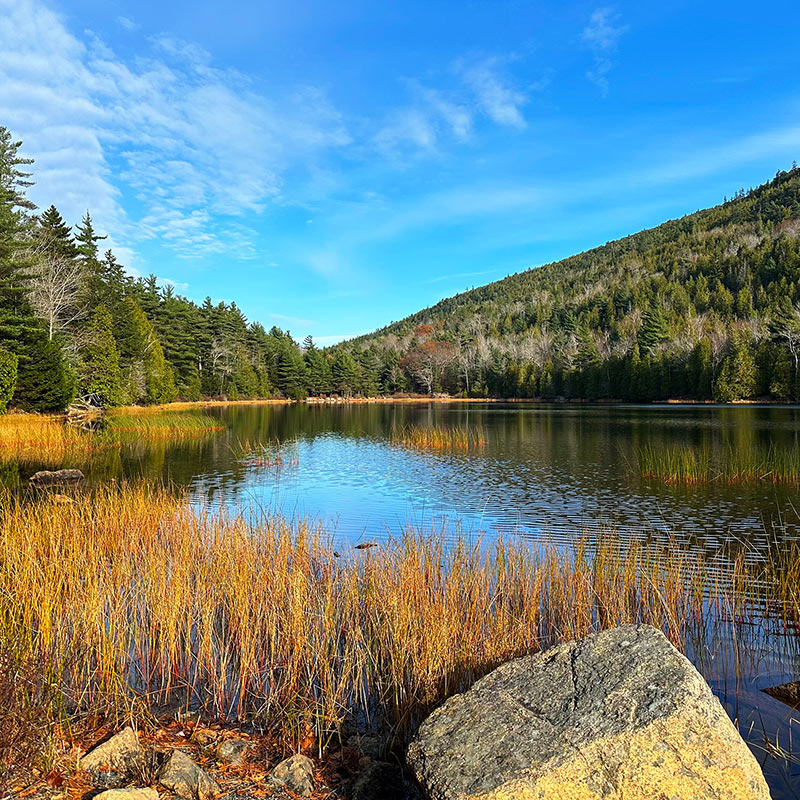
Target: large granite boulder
x: 619, y: 715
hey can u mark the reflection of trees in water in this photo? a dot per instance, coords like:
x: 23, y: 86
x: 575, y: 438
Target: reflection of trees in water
x: 582, y: 457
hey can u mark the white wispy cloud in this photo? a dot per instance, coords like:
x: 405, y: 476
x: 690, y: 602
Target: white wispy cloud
x: 128, y: 24
x: 458, y: 275
x: 495, y: 96
x: 186, y: 139
x: 285, y: 318
x: 601, y: 35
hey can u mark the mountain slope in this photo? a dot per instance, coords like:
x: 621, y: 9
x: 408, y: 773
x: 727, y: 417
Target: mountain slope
x: 699, y: 307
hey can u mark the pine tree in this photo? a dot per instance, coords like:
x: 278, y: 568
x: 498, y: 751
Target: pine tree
x: 654, y: 330
x: 100, y: 371
x: 344, y: 372
x: 737, y: 377
x: 8, y: 379
x: 17, y: 321
x: 44, y: 382
x: 318, y: 369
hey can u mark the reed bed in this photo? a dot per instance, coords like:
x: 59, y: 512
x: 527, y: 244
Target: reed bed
x: 160, y: 424
x: 683, y: 464
x: 138, y: 603
x: 46, y: 439
x: 439, y: 437
x: 49, y: 440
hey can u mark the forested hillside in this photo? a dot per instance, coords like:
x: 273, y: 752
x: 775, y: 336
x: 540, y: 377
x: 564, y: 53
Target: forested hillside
x: 74, y: 324
x: 703, y: 307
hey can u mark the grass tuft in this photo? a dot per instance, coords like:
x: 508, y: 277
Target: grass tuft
x: 687, y: 465
x: 439, y: 437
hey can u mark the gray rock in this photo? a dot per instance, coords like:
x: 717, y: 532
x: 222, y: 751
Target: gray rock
x: 127, y: 794
x: 379, y: 781
x: 110, y: 762
x: 296, y: 774
x: 183, y: 776
x: 57, y: 477
x: 619, y: 714
x: 232, y: 751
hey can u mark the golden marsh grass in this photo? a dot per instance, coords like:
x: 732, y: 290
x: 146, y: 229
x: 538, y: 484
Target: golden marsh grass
x: 139, y: 602
x: 686, y: 465
x: 439, y: 437
x: 50, y: 441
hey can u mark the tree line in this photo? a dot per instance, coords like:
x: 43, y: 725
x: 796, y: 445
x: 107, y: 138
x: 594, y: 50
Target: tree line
x: 706, y: 307
x: 73, y: 324
x: 703, y: 307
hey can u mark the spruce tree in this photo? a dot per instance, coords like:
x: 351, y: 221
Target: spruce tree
x: 654, y: 330
x: 44, y: 382
x: 8, y: 379
x: 100, y: 371
x: 17, y: 321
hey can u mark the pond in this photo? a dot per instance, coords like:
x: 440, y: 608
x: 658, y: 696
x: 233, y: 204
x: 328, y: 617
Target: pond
x: 555, y: 471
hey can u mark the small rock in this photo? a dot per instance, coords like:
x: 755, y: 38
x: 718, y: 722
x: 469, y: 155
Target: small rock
x: 232, y: 751
x: 296, y: 774
x: 115, y: 758
x: 379, y: 781
x: 62, y: 500
x: 183, y: 776
x: 203, y: 736
x: 139, y: 793
x: 59, y: 476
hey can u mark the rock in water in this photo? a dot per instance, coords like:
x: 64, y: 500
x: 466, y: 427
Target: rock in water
x: 184, y: 777
x: 59, y: 477
x: 120, y: 755
x: 619, y: 715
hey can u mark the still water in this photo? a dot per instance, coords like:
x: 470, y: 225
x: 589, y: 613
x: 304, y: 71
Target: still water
x: 544, y: 469
x: 556, y: 471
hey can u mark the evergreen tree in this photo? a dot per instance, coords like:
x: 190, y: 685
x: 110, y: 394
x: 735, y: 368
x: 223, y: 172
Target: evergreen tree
x: 43, y: 379
x: 344, y: 372
x: 738, y: 375
x: 654, y: 330
x: 8, y: 378
x: 318, y: 369
x: 100, y: 371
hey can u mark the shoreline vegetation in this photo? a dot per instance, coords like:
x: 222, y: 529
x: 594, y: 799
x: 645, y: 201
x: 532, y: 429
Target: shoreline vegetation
x: 124, y: 603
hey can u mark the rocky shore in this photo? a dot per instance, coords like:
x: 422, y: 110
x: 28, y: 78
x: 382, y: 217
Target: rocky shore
x: 618, y: 715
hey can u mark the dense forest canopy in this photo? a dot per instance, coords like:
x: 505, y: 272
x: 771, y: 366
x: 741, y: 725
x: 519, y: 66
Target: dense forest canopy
x: 704, y: 307
x: 73, y: 324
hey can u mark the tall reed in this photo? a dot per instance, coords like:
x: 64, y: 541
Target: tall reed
x: 138, y: 603
x: 49, y: 440
x: 439, y: 437
x: 683, y: 464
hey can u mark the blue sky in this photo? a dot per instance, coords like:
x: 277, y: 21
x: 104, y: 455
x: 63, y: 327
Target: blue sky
x: 332, y: 167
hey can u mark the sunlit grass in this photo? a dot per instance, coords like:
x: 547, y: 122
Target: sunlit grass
x: 683, y: 464
x: 46, y: 439
x: 439, y: 437
x: 138, y: 602
x: 161, y: 424
x: 49, y: 440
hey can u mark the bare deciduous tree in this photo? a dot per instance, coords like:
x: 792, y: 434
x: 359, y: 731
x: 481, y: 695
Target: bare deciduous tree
x: 55, y: 291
